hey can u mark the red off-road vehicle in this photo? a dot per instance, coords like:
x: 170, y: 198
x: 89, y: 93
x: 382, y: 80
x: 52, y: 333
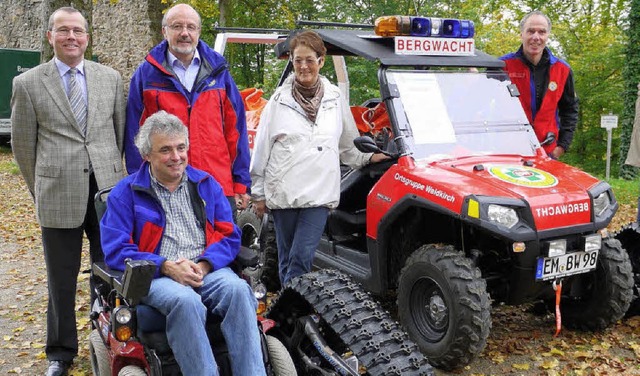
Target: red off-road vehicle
x: 470, y: 211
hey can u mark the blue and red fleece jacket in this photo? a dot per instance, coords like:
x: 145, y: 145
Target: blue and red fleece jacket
x: 213, y: 112
x: 133, y: 224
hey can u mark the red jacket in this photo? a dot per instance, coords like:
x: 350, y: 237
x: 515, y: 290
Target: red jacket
x: 558, y: 111
x: 213, y: 111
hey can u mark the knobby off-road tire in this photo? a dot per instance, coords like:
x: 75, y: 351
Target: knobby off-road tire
x: 132, y: 371
x: 269, y: 258
x: 280, y: 358
x: 250, y: 225
x: 355, y: 318
x: 444, y: 305
x: 99, y: 355
x: 629, y: 236
x: 604, y: 294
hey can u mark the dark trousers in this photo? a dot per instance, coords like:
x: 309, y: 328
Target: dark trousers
x: 62, y: 255
x: 298, y: 232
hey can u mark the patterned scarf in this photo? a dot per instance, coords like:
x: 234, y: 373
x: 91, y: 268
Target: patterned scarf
x: 308, y: 97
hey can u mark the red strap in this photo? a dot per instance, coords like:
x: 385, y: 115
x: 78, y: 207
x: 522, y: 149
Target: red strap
x: 558, y: 288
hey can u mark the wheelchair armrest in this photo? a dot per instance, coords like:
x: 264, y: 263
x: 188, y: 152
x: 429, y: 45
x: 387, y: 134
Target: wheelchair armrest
x: 247, y: 257
x: 134, y: 283
x: 102, y: 271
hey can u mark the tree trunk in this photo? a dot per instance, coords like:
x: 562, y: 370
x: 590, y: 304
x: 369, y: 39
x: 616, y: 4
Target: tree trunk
x: 223, y: 6
x: 154, y: 11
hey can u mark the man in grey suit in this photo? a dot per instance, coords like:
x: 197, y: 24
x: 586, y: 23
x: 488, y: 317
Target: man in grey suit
x: 67, y: 130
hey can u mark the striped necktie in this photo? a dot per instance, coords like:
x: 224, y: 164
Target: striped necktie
x: 77, y: 101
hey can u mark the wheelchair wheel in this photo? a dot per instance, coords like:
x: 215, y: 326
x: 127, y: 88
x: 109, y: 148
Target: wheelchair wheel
x: 132, y: 371
x: 99, y: 355
x: 280, y: 358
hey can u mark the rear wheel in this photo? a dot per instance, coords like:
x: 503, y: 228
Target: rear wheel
x: 593, y: 301
x: 444, y: 305
x: 250, y: 225
x: 99, y: 355
x: 132, y: 371
x: 280, y: 358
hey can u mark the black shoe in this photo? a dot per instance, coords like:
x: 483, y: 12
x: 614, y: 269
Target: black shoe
x: 58, y: 368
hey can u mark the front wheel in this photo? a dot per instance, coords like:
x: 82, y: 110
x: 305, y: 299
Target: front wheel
x: 132, y: 371
x: 280, y: 358
x: 593, y: 301
x: 444, y: 305
x: 99, y: 355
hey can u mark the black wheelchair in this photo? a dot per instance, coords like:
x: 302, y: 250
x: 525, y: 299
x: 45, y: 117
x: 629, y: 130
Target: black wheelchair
x: 129, y: 339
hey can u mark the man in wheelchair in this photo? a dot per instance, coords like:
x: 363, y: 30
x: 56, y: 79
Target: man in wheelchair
x: 178, y: 217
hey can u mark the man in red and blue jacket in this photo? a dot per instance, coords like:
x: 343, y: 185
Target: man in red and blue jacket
x: 134, y: 208
x: 184, y: 76
x: 545, y: 84
x: 178, y: 217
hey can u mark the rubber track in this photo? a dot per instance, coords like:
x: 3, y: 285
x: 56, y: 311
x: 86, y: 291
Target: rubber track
x: 361, y: 323
x: 629, y: 236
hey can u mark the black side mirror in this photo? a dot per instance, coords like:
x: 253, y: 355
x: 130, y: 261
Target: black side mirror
x: 548, y: 139
x: 366, y: 145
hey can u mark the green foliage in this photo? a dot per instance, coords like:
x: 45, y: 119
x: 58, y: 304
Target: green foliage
x: 8, y: 166
x: 626, y: 191
x: 600, y: 40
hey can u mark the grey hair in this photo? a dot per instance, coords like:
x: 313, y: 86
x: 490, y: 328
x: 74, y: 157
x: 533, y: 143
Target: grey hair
x: 166, y: 15
x: 163, y: 123
x: 535, y: 13
x: 69, y: 10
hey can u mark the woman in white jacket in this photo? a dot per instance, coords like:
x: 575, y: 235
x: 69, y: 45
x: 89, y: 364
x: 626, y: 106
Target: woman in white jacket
x: 305, y: 131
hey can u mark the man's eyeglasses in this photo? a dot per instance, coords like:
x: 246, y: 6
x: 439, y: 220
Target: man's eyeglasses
x: 308, y: 62
x: 178, y: 28
x: 65, y: 32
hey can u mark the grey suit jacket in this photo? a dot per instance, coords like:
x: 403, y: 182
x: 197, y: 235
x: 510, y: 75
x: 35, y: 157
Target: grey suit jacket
x: 49, y: 148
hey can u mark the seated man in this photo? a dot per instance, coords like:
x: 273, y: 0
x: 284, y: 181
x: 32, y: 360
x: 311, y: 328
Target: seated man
x: 178, y: 217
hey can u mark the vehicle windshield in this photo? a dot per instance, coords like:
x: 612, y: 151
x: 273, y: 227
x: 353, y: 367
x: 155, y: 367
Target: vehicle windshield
x: 460, y: 114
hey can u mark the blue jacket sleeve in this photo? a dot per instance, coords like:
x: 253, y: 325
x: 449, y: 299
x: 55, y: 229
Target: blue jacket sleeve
x: 116, y: 229
x: 135, y: 107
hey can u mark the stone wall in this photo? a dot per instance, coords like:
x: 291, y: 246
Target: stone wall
x: 123, y: 30
x: 22, y: 25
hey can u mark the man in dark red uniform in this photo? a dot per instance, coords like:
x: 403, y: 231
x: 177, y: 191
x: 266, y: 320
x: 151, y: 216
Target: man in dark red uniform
x: 545, y: 83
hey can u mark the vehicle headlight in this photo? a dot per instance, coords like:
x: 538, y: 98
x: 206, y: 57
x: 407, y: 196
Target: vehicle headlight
x: 592, y: 242
x: 557, y: 247
x: 601, y: 203
x: 259, y: 291
x: 123, y: 316
x: 502, y: 215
